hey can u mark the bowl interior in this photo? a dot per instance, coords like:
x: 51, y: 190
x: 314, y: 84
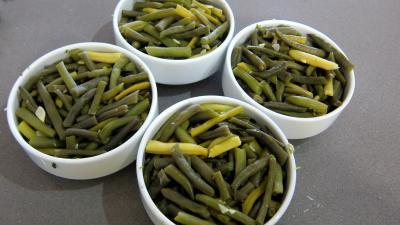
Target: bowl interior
x: 244, y: 34
x: 256, y: 114
x: 53, y: 57
x: 128, y: 5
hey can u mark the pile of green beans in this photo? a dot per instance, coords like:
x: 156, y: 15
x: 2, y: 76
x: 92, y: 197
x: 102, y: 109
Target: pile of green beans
x: 174, y: 29
x: 291, y: 73
x: 83, y: 105
x: 213, y: 164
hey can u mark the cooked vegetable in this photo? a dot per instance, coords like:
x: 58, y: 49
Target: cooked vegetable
x: 81, y: 104
x: 232, y: 172
x: 278, y: 66
x: 174, y: 29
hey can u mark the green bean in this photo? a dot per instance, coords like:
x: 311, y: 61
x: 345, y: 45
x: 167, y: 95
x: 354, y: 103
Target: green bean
x: 86, y: 123
x: 105, y: 133
x: 200, y: 31
x: 262, y: 212
x: 254, y: 210
x: 97, y: 97
x: 180, y: 178
x: 267, y: 91
x: 133, y: 35
x: 256, y: 179
x: 274, y: 70
x: 183, y: 136
x: 76, y: 108
x: 134, y: 78
x: 226, y: 210
x: 164, y: 23
x: 240, y: 160
x: 203, y: 19
x: 139, y: 108
x: 249, y: 171
x: 28, y: 99
x: 33, y: 121
x: 160, y: 163
x: 184, y: 166
x: 111, y: 93
x: 236, y: 56
x: 269, y: 52
x: 284, y: 106
x: 301, y: 47
x: 66, y: 99
x: 221, y: 217
x: 116, y: 71
x: 70, y: 142
x: 343, y: 61
x: 249, y: 152
x: 242, y: 123
x: 66, y: 76
x: 202, y: 168
x: 187, y: 219
x: 295, y: 114
x: 130, y: 67
x: 164, y: 180
x: 91, y: 135
x: 308, y: 80
x: 251, y: 82
x: 185, y: 203
x: 203, y: 115
x: 131, y: 13
x: 278, y: 180
x: 255, y: 60
x: 244, y: 191
x: 215, y: 34
x: 84, y: 87
x: 88, y: 62
x: 280, y: 88
x: 127, y: 100
x: 297, y: 90
x: 45, y: 142
x: 222, y: 186
x: 141, y: 5
x: 169, y: 52
x: 162, y: 13
x: 115, y: 112
x: 273, y: 144
x: 183, y: 116
x: 312, y: 104
x: 217, y: 132
x: 173, y: 210
x: 69, y: 152
x: 177, y: 29
x: 148, y: 169
x: 337, y: 93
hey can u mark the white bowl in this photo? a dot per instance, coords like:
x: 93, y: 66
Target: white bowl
x: 86, y: 168
x: 154, y: 213
x: 177, y: 72
x: 293, y: 127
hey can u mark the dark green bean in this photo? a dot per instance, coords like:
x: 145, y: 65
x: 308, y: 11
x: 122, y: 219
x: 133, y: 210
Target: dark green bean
x: 193, y: 33
x: 226, y: 210
x: 284, y: 106
x: 202, y: 168
x: 69, y: 152
x: 28, y: 99
x: 185, y: 203
x: 262, y: 212
x: 183, y: 116
x: 215, y: 34
x: 66, y: 99
x: 187, y: 219
x: 222, y: 186
x: 116, y: 71
x: 343, y: 61
x: 134, y: 78
x: 45, y: 142
x: 273, y: 144
x: 183, y: 136
x: 217, y: 132
x: 131, y: 13
x: 66, y: 76
x: 33, y: 121
x: 242, y: 193
x: 86, y: 123
x: 116, y: 112
x: 249, y: 171
x: 76, y: 108
x: 274, y: 70
x: 105, y: 133
x: 236, y: 56
x: 301, y: 47
x: 88, y: 62
x: 91, y: 135
x: 180, y: 178
x: 255, y: 60
x: 184, y: 166
x: 269, y: 52
x: 251, y: 82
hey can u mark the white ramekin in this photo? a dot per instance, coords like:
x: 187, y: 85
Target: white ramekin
x: 86, y: 168
x: 177, y: 72
x: 153, y: 212
x: 293, y: 127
